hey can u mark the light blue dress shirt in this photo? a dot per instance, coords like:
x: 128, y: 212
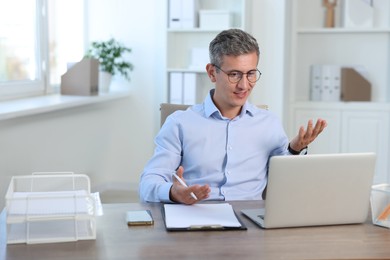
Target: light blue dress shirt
x: 230, y: 155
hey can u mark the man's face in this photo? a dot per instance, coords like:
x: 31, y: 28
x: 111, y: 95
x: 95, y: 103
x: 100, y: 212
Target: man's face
x: 230, y: 95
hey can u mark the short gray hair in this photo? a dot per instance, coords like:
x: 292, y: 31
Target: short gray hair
x: 232, y: 42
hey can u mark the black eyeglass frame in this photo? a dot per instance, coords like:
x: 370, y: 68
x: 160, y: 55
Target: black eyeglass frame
x: 229, y: 74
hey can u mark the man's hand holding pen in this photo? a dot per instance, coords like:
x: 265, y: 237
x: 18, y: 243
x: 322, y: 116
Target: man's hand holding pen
x: 181, y: 193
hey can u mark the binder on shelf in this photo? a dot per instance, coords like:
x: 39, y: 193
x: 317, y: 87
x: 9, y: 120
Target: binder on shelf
x: 325, y: 83
x: 316, y: 82
x: 189, y: 13
x: 183, y: 14
x: 176, y: 88
x: 175, y: 13
x: 189, y: 88
x: 354, y: 86
x: 182, y: 88
x: 330, y: 83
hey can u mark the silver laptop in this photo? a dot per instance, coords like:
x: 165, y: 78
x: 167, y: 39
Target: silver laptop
x: 313, y: 190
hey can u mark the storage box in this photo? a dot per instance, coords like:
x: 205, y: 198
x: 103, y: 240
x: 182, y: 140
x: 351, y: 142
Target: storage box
x: 354, y: 86
x: 357, y: 14
x: 380, y: 205
x: 50, y: 207
x: 81, y: 79
x: 199, y: 58
x: 214, y: 19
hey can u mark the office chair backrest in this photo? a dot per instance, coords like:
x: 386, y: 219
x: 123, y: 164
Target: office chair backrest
x: 166, y: 109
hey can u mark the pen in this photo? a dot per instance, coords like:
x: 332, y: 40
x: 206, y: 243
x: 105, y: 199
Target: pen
x: 184, y: 184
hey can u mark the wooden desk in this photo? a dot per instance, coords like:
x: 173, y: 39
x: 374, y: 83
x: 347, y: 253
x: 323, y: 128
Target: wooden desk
x: 115, y: 240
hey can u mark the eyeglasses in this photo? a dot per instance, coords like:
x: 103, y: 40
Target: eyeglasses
x: 235, y: 76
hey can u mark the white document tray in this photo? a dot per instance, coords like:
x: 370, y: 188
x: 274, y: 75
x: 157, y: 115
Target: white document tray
x: 50, y: 207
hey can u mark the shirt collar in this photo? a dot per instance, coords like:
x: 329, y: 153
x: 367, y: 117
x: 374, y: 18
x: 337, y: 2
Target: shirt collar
x: 210, y: 108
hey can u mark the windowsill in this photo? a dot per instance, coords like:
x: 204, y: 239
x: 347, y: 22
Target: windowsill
x: 42, y: 104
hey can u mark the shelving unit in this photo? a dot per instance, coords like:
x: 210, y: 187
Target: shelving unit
x: 352, y: 126
x: 180, y: 42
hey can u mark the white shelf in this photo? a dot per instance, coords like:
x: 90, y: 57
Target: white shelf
x: 41, y: 104
x: 187, y: 70
x: 352, y: 126
x: 192, y: 30
x: 342, y: 105
x: 181, y: 42
x: 369, y: 49
x: 341, y: 30
x: 311, y: 43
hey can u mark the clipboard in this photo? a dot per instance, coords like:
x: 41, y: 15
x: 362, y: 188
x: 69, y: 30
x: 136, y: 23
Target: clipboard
x: 202, y: 227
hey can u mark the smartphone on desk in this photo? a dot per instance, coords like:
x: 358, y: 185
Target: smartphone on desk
x: 139, y: 218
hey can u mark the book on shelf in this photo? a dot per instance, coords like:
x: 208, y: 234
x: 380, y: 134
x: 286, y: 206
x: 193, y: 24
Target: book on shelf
x: 175, y: 87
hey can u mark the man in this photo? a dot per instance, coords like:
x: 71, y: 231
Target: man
x: 221, y: 148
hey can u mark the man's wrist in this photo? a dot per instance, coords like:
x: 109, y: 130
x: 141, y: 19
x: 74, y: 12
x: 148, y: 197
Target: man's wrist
x: 171, y: 195
x: 294, y: 152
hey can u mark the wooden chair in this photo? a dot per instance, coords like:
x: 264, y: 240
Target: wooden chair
x: 166, y: 109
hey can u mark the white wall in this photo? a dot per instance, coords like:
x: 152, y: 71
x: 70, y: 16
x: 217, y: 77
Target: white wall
x: 268, y: 21
x: 97, y: 140
x: 111, y: 142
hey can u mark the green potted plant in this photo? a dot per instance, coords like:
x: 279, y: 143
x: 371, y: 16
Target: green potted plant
x: 111, y: 58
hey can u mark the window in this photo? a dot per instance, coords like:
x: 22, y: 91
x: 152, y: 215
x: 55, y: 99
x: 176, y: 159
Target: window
x: 37, y: 40
x: 22, y: 58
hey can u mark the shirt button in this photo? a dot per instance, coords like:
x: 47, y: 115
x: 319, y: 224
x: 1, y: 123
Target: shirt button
x: 230, y: 147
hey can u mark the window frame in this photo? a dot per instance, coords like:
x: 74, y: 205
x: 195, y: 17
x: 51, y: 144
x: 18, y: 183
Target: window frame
x: 40, y: 86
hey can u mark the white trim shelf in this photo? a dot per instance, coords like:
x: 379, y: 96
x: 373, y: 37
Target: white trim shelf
x: 341, y: 30
x: 342, y: 105
x: 193, y: 30
x: 200, y: 70
x: 41, y: 104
